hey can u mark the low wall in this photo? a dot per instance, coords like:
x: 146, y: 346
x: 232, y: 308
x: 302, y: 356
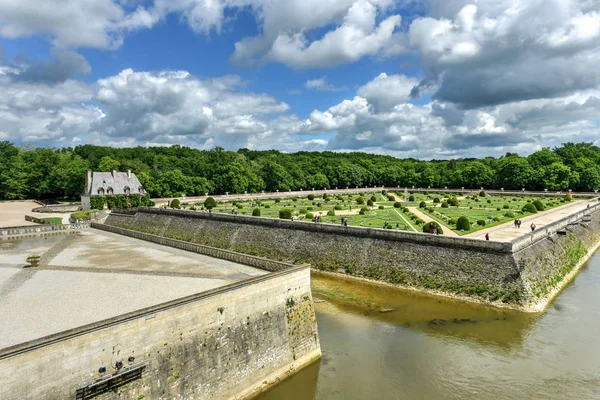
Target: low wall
x: 58, y: 208
x: 502, y: 274
x: 17, y: 231
x: 231, y: 342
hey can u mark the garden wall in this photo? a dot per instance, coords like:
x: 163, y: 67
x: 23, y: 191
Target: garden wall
x: 231, y: 342
x: 505, y: 274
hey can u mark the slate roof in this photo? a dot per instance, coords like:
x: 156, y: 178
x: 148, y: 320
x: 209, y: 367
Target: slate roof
x: 118, y: 182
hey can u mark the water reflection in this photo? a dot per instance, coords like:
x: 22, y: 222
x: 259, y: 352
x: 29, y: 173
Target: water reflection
x: 430, y: 348
x: 429, y: 314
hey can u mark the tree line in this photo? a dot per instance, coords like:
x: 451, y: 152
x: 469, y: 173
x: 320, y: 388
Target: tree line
x: 58, y: 173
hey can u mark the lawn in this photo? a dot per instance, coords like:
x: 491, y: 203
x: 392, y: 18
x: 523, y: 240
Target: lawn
x: 492, y: 210
x: 53, y: 220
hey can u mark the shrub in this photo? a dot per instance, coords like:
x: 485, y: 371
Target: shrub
x: 426, y: 193
x: 529, y: 208
x: 363, y: 210
x: 210, y: 202
x: 309, y: 208
x: 463, y: 224
x: 419, y: 221
x: 445, y: 204
x: 397, y: 205
x: 331, y: 213
x: 539, y: 205
x: 285, y: 213
x: 277, y: 200
x: 370, y: 203
x: 360, y: 200
x: 481, y: 222
x: 318, y: 204
x: 436, y: 200
x: 422, y: 204
x: 240, y: 206
x: 381, y: 207
x: 452, y: 221
x: 496, y: 219
x: 453, y: 202
x: 568, y: 197
x: 506, y: 206
x: 411, y: 198
x: 97, y: 202
x: 489, y: 201
x: 391, y: 198
x: 310, y: 197
x: 175, y: 203
x: 294, y: 199
x: 193, y: 208
x: 303, y: 211
x: 430, y: 209
x: 509, y: 215
x: 338, y: 207
x: 427, y: 226
x: 267, y: 206
x: 373, y: 199
x: 256, y: 212
x: 309, y: 216
x: 498, y: 209
x: 482, y: 193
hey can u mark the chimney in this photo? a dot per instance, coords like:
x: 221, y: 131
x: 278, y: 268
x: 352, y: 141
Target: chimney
x: 88, y: 181
x: 129, y: 173
x: 114, y: 173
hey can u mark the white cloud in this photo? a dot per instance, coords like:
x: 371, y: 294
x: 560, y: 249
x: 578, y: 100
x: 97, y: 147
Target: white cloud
x: 321, y: 84
x: 386, y: 91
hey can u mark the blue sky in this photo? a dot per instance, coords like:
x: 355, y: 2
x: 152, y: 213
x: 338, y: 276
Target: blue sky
x: 409, y: 78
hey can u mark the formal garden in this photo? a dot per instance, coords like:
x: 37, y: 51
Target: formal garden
x: 391, y: 210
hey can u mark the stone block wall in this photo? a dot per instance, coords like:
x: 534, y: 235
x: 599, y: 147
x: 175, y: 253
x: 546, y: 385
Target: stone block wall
x: 230, y: 342
x: 517, y: 274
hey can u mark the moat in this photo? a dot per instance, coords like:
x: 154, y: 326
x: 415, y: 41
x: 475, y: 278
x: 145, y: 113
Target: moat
x: 430, y: 348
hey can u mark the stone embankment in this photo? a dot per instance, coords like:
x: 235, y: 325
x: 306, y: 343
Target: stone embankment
x: 523, y: 274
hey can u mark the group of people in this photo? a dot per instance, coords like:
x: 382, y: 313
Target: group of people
x: 434, y: 229
x: 344, y: 221
x: 518, y: 225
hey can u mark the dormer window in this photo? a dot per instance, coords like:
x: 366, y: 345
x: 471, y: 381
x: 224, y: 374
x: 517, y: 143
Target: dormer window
x: 110, y: 191
x: 127, y: 190
x: 100, y: 192
x: 141, y: 190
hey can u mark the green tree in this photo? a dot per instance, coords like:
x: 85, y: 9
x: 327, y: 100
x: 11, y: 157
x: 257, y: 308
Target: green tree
x: 107, y: 164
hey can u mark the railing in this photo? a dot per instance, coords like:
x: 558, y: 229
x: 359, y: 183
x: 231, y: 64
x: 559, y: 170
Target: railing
x: 41, y: 229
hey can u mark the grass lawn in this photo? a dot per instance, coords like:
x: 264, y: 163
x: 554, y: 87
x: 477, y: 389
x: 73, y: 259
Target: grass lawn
x: 53, y: 220
x: 494, y: 210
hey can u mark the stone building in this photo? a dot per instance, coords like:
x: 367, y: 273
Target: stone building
x: 109, y: 184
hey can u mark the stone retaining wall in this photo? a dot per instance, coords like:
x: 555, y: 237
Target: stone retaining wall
x: 17, y: 231
x: 230, y: 342
x: 502, y: 274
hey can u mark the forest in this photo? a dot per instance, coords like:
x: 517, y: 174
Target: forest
x: 58, y: 173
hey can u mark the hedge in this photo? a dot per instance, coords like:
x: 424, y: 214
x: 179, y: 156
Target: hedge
x: 463, y: 224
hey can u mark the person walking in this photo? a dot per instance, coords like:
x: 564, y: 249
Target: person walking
x: 533, y: 227
x: 519, y: 223
x: 516, y: 223
x: 487, y: 236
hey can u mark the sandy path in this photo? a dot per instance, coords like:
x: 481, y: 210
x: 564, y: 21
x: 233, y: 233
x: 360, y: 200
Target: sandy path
x: 426, y: 218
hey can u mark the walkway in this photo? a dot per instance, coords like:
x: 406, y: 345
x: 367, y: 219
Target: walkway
x: 507, y: 231
x: 426, y: 218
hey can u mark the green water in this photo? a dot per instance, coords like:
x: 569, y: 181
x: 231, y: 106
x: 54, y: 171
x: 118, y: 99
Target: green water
x: 429, y: 348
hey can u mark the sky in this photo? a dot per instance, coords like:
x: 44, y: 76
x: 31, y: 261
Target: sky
x: 408, y: 78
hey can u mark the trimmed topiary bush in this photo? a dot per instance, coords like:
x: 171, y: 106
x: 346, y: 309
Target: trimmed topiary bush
x: 331, y: 213
x: 529, y: 208
x: 397, y: 205
x: 481, y: 222
x: 285, y: 213
x: 391, y: 198
x: 506, y: 206
x: 267, y: 206
x: 311, y: 197
x: 422, y: 204
x: 539, y: 205
x: 277, y: 200
x: 303, y: 211
x: 373, y: 199
x: 568, y: 197
x: 256, y: 212
x: 452, y: 221
x: 411, y: 198
x: 210, y: 202
x: 427, y: 227
x: 496, y: 219
x: 360, y: 200
x: 444, y: 205
x: 338, y: 207
x: 175, y: 203
x: 363, y: 211
x: 370, y: 203
x: 381, y: 207
x: 436, y: 200
x: 482, y: 193
x: 453, y: 202
x: 509, y: 215
x: 309, y: 216
x: 463, y: 224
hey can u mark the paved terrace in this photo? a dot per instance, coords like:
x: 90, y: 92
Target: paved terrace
x: 96, y: 275
x: 13, y: 213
